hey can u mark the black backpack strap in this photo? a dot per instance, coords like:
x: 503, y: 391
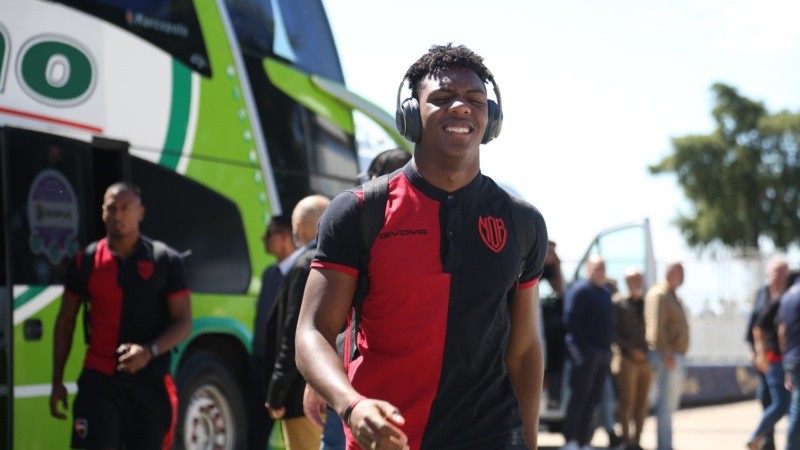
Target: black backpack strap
x: 523, y: 238
x: 159, y: 250
x: 373, y: 211
x: 373, y: 214
x: 87, y: 264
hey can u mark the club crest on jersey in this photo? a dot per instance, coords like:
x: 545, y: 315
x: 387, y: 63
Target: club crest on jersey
x: 493, y: 232
x: 81, y: 427
x: 145, y: 269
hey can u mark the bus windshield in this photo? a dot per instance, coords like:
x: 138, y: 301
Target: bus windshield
x: 295, y: 32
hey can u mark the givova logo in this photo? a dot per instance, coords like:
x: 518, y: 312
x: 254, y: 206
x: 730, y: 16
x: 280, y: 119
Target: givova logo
x: 407, y: 232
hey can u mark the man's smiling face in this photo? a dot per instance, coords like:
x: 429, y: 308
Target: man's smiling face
x: 454, y: 111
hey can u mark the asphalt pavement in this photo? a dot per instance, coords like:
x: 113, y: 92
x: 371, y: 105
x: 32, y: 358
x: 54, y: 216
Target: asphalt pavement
x: 718, y: 427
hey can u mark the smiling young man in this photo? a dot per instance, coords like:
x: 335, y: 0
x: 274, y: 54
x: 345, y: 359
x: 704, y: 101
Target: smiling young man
x: 448, y: 350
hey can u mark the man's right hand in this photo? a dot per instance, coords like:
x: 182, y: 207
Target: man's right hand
x: 58, y: 395
x: 375, y: 425
x: 761, y: 363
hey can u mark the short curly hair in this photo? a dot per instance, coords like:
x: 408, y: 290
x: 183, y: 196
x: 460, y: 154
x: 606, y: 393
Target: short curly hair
x: 443, y: 57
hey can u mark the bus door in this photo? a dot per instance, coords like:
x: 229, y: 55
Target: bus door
x: 51, y: 191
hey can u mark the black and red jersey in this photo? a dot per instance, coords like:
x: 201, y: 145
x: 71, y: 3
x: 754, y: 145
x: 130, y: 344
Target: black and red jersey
x: 128, y: 300
x: 435, y: 324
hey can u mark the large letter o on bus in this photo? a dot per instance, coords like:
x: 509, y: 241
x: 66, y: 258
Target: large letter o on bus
x: 56, y: 72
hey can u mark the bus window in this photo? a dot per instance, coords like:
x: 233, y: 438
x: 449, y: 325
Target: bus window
x: 202, y: 224
x: 282, y: 121
x: 333, y: 158
x: 295, y: 31
x: 307, y: 153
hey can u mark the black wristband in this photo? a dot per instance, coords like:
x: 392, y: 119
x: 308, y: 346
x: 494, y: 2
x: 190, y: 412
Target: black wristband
x: 349, y: 410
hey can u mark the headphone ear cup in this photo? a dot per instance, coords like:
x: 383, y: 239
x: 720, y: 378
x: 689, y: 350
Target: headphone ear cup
x: 494, y: 124
x: 408, y: 121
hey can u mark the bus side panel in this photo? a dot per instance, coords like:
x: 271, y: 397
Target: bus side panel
x: 33, y: 375
x: 225, y: 132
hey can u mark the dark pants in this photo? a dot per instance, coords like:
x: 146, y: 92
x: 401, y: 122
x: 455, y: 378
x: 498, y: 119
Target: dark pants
x: 793, y: 430
x: 135, y: 412
x: 260, y: 425
x: 553, y: 379
x: 780, y: 402
x: 586, y: 381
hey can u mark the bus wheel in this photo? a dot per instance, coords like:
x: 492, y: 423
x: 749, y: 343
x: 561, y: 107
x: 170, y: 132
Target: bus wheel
x: 211, y: 411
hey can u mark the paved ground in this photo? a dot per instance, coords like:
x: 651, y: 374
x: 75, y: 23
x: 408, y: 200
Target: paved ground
x: 720, y: 427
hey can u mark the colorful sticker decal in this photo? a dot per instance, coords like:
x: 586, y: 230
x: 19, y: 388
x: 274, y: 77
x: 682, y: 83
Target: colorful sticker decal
x: 52, y: 216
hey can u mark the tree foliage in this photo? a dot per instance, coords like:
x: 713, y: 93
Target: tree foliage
x: 743, y: 179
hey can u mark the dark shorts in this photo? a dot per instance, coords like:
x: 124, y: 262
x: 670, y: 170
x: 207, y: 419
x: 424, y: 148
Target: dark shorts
x: 110, y: 411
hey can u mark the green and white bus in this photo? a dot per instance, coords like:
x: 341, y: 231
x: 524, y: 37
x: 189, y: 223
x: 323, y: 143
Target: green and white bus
x: 225, y: 112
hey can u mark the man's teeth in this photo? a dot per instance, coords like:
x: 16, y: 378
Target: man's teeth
x: 458, y: 129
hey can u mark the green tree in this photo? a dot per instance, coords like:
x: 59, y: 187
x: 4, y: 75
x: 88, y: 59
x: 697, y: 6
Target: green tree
x: 743, y: 179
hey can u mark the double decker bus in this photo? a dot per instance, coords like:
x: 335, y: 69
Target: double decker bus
x: 224, y: 112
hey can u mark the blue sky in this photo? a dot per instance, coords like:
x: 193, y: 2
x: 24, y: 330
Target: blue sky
x: 592, y: 93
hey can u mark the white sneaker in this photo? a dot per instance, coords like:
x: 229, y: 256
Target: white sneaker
x: 571, y: 445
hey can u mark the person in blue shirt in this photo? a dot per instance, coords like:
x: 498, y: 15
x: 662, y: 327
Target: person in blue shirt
x: 589, y: 326
x: 789, y: 341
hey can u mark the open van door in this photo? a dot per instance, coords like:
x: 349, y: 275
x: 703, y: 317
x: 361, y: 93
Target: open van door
x: 622, y: 247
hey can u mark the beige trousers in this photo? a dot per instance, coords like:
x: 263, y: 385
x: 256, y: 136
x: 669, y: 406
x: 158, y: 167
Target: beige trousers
x: 301, y: 434
x: 633, y: 384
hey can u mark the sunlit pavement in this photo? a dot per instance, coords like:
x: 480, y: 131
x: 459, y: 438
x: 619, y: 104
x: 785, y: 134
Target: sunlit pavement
x: 719, y: 427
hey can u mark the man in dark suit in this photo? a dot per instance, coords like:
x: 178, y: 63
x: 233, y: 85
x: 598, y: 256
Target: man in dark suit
x: 285, y: 393
x: 278, y: 242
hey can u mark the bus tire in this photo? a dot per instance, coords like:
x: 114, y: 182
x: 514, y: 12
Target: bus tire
x: 212, y: 412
